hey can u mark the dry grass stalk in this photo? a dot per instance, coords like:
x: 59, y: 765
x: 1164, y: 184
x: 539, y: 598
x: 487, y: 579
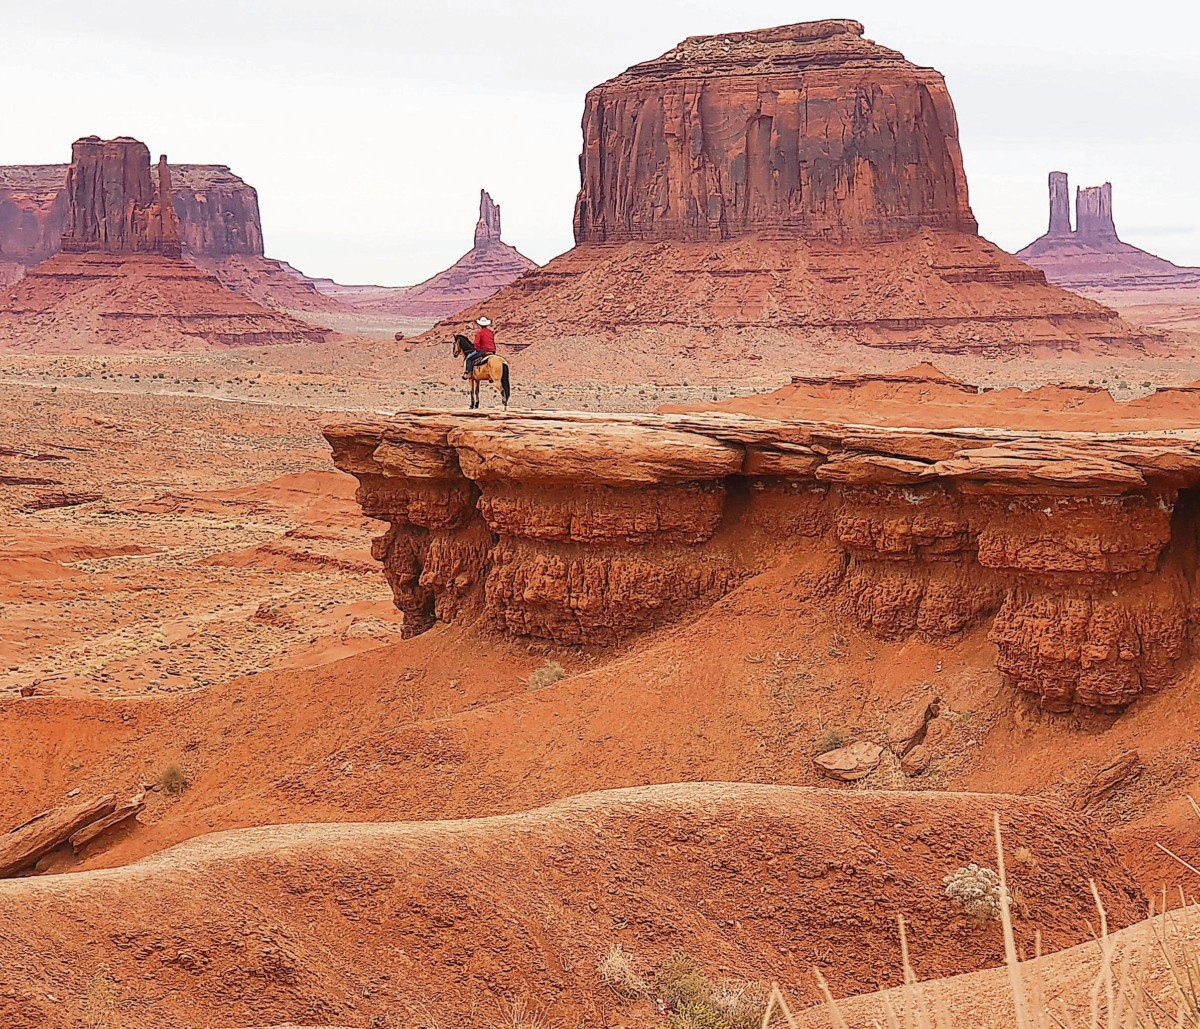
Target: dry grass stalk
x: 1122, y: 994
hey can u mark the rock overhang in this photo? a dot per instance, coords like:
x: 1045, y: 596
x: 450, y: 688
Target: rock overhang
x: 1080, y: 548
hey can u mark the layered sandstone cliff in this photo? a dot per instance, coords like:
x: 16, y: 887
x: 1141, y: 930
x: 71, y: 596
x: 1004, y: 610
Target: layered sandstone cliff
x: 750, y: 195
x: 806, y: 130
x: 1077, y: 550
x: 120, y: 279
x: 1093, y: 259
x: 217, y: 211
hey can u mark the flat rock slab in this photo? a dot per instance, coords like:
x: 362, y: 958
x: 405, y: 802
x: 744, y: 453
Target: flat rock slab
x: 22, y: 847
x: 846, y: 764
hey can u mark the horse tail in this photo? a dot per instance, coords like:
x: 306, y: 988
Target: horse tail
x: 505, y: 389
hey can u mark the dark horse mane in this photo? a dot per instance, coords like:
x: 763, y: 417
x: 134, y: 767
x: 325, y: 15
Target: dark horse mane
x: 463, y: 343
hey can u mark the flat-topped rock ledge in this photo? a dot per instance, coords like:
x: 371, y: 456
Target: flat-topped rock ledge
x: 1079, y: 550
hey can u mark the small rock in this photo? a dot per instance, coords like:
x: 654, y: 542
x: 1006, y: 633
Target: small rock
x: 846, y: 764
x: 27, y: 690
x: 915, y: 761
x: 74, y: 792
x: 938, y: 731
x: 907, y: 730
x: 1125, y: 766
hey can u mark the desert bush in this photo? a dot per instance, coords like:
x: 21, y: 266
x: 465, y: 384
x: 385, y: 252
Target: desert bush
x: 173, y: 780
x: 832, y: 739
x: 976, y: 890
x: 519, y: 1015
x: 696, y: 1002
x: 545, y: 676
x: 618, y: 973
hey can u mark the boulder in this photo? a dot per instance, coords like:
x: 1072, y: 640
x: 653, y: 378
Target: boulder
x: 122, y: 814
x: 915, y: 761
x: 22, y: 847
x: 907, y: 729
x: 846, y: 764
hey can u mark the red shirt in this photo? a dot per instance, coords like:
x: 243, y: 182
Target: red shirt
x: 485, y: 341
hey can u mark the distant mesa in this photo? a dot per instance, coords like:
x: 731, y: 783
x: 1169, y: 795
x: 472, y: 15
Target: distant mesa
x: 217, y: 212
x: 1092, y: 258
x: 490, y: 265
x: 119, y: 280
x: 749, y: 192
x: 220, y: 229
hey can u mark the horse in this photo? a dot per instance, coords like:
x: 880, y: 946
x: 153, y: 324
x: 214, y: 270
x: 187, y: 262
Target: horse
x: 493, y: 369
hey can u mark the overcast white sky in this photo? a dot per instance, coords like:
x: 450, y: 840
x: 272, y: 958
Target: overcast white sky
x: 368, y: 126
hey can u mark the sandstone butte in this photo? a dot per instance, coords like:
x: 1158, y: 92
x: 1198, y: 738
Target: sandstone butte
x: 490, y: 265
x: 748, y: 193
x: 1077, y: 545
x: 220, y: 230
x: 119, y: 280
x: 1092, y: 259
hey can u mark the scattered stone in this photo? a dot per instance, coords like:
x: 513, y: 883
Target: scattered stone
x: 846, y: 764
x: 908, y: 729
x: 937, y: 731
x: 916, y: 761
x: 1125, y: 766
x: 23, y: 846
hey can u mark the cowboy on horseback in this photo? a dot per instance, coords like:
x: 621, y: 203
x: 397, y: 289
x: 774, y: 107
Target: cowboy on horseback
x: 483, y: 364
x: 484, y: 345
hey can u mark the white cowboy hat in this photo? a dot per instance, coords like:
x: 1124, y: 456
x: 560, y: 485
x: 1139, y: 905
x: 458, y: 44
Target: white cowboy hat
x: 485, y: 322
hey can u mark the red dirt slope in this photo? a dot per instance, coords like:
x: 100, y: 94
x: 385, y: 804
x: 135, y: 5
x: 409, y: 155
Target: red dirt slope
x: 751, y: 880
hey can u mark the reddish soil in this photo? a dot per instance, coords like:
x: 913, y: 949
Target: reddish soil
x: 923, y: 396
x: 718, y: 869
x: 265, y: 552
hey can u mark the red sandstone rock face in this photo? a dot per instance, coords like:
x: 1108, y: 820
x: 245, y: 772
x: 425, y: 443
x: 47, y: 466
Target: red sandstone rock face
x: 808, y: 130
x: 113, y: 201
x: 487, y: 229
x: 218, y: 212
x: 1079, y: 551
x: 33, y: 212
x: 749, y: 194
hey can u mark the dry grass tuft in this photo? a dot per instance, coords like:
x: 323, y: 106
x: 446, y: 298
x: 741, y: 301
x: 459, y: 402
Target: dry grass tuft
x: 173, y: 780
x: 618, y: 973
x: 696, y: 1002
x: 518, y: 1014
x: 545, y: 676
x: 1127, y: 993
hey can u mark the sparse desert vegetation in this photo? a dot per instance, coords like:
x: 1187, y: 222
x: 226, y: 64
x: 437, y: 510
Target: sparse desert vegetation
x: 173, y: 780
x: 550, y: 673
x: 687, y: 679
